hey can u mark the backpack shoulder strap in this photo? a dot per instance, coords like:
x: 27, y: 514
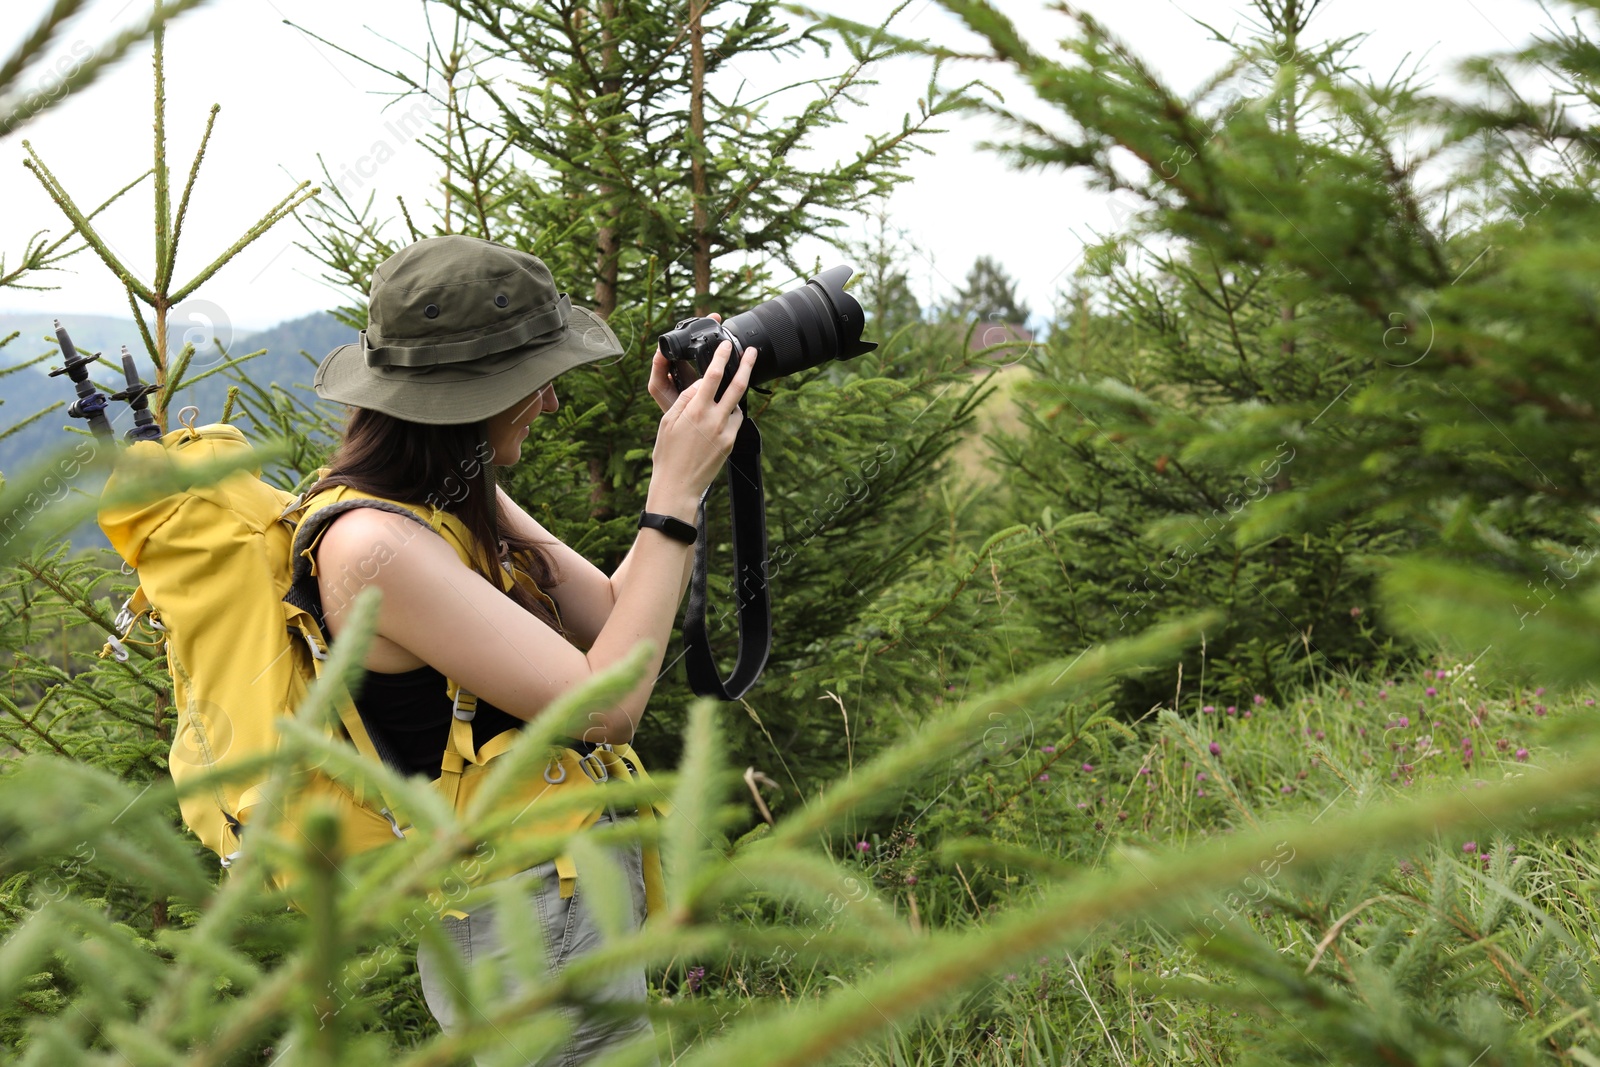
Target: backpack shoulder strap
x: 312, y: 517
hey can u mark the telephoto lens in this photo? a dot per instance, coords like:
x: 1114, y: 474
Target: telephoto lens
x: 801, y: 329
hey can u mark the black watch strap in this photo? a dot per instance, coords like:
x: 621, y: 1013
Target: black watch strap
x: 676, y: 529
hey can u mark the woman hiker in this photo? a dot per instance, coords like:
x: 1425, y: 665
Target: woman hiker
x: 464, y: 341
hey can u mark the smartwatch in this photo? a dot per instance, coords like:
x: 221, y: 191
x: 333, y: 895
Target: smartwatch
x: 676, y: 529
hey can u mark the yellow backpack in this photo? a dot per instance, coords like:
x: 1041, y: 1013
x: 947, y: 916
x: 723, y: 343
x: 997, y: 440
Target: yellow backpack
x: 218, y: 568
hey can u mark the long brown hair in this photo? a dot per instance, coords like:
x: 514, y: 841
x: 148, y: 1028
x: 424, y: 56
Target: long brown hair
x: 450, y: 468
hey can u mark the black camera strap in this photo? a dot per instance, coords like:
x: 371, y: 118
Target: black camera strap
x: 748, y: 504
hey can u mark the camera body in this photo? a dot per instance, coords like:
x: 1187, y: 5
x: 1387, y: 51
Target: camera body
x: 796, y: 331
x: 690, y: 345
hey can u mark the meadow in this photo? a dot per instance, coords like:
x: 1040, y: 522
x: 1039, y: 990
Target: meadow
x: 1205, y: 675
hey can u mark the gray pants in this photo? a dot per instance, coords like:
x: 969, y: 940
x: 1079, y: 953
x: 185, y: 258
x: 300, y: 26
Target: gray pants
x: 569, y: 930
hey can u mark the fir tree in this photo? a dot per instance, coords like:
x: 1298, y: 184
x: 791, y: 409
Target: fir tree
x: 989, y: 294
x: 657, y: 185
x: 885, y: 288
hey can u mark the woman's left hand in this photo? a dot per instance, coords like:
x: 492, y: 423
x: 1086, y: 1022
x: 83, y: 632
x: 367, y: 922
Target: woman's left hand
x: 662, y: 387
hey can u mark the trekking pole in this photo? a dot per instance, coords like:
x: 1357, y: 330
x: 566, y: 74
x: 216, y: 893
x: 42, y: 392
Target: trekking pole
x: 136, y: 396
x: 91, y: 402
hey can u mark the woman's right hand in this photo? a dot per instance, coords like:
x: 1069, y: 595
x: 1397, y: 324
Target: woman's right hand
x: 697, y: 435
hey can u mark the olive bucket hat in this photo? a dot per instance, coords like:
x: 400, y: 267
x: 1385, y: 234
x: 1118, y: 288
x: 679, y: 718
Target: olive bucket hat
x: 459, y: 329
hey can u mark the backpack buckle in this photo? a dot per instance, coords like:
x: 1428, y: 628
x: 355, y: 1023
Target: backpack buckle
x: 317, y: 651
x: 464, y: 706
x: 121, y: 627
x: 393, y: 825
x: 592, y: 764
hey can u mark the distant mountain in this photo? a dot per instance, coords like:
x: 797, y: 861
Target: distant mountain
x: 316, y: 335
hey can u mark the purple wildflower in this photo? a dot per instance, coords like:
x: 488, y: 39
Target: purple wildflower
x: 1431, y: 691
x: 1383, y: 694
x: 1048, y: 748
x: 1088, y: 768
x: 1470, y: 846
x: 1287, y: 789
x: 863, y: 846
x: 1522, y: 755
x: 911, y: 879
x: 1234, y: 710
x: 1259, y: 699
x: 1209, y: 709
x: 1044, y: 777
x: 1538, y: 709
x: 1144, y: 770
x: 1216, y: 749
x: 695, y: 976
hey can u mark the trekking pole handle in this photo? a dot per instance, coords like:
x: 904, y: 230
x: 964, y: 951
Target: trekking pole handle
x: 91, y: 402
x: 136, y: 396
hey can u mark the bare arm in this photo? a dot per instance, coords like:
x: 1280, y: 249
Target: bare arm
x: 620, y: 577
x: 450, y: 617
x: 586, y: 596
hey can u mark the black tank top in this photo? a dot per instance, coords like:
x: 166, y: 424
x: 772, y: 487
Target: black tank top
x: 411, y: 712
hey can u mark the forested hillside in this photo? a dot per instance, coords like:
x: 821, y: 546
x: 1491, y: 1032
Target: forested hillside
x: 1203, y: 671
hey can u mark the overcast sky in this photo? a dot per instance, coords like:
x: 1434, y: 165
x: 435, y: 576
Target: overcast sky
x: 286, y: 98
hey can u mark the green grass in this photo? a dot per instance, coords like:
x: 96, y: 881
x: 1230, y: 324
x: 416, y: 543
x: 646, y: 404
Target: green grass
x: 1434, y: 934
